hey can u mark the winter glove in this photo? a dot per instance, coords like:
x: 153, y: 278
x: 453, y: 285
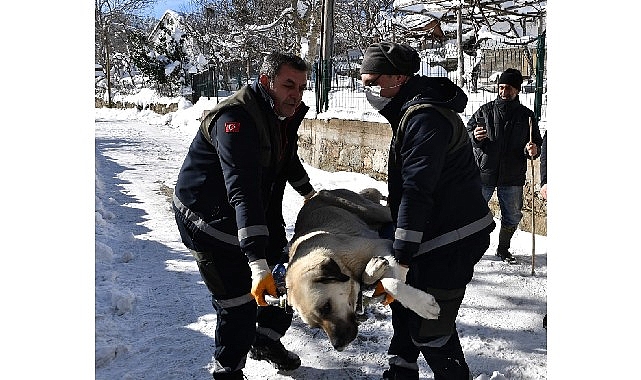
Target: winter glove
x: 400, y: 273
x: 262, y: 281
x: 379, y: 291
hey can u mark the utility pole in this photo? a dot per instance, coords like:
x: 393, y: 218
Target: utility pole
x: 459, y: 43
x: 540, y: 70
x: 324, y: 69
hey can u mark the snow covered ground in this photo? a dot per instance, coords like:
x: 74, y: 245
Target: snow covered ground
x: 153, y: 317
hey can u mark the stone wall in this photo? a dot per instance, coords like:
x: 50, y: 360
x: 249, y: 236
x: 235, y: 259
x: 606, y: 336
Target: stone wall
x: 358, y: 146
x: 346, y: 145
x: 162, y: 109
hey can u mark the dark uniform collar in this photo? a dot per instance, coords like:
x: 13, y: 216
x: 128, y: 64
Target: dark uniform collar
x: 265, y: 95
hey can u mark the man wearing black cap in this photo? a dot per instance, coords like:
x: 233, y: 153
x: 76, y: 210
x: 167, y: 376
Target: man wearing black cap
x: 502, y: 142
x: 442, y: 223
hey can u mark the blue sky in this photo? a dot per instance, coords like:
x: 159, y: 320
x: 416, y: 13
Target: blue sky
x: 175, y: 5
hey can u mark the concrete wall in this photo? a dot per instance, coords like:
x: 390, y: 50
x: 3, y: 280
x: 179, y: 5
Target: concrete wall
x: 357, y: 146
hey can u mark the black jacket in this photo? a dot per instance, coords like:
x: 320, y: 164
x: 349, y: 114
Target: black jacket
x: 502, y: 158
x: 432, y: 191
x: 229, y: 190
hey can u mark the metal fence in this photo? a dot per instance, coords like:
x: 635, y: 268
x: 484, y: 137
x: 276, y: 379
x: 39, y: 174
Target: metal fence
x: 480, y: 79
x: 346, y: 90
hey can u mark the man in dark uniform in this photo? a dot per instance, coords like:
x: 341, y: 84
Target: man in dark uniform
x: 442, y: 223
x: 228, y: 207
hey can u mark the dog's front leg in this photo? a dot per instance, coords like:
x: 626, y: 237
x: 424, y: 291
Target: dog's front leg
x: 393, y: 281
x: 423, y: 304
x: 375, y: 269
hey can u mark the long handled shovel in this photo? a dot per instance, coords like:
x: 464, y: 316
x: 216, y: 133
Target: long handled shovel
x: 532, y: 166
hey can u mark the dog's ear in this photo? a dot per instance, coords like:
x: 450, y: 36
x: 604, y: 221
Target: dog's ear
x: 331, y: 272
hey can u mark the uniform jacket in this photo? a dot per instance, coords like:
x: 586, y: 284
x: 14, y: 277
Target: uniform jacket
x: 432, y: 191
x: 502, y: 157
x: 230, y: 188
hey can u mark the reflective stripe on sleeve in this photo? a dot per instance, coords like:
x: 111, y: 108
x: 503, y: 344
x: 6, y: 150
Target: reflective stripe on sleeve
x: 259, y: 230
x: 300, y: 182
x: 408, y: 235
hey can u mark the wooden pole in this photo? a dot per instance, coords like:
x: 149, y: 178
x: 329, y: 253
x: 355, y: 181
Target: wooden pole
x: 532, y: 166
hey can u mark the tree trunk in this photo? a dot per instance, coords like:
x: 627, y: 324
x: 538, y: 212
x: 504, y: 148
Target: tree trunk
x: 108, y: 68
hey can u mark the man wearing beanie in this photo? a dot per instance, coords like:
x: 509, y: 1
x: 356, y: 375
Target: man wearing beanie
x: 500, y: 133
x: 442, y: 222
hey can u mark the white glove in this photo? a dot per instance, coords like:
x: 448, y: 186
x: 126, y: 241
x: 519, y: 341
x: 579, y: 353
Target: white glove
x: 262, y: 281
x: 401, y: 272
x: 398, y: 271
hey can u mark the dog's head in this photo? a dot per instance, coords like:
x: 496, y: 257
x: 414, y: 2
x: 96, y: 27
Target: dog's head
x: 324, y: 296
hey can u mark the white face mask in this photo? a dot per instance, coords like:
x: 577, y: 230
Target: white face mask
x: 373, y: 95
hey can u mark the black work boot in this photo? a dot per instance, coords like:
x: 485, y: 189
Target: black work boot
x: 505, y: 235
x: 236, y: 375
x: 448, y: 361
x: 274, y: 352
x: 400, y: 373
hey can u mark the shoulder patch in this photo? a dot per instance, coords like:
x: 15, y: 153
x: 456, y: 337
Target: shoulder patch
x: 232, y: 126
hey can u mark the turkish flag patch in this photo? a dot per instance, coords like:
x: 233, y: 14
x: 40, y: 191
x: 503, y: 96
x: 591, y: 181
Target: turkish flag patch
x: 232, y: 126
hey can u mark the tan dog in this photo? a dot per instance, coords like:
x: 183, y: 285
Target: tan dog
x: 335, y: 248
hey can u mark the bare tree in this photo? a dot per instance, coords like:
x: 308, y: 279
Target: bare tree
x: 111, y: 18
x: 362, y: 22
x: 502, y: 19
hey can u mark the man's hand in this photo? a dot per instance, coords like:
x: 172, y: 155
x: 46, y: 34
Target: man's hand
x: 309, y: 196
x: 531, y: 149
x: 480, y: 133
x: 380, y: 291
x: 262, y: 281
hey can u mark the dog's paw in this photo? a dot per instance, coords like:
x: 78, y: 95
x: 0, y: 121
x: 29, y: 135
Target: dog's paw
x: 423, y: 304
x: 427, y: 307
x: 374, y: 270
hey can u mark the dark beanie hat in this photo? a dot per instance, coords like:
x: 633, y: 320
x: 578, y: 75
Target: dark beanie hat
x: 390, y: 58
x: 512, y: 77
